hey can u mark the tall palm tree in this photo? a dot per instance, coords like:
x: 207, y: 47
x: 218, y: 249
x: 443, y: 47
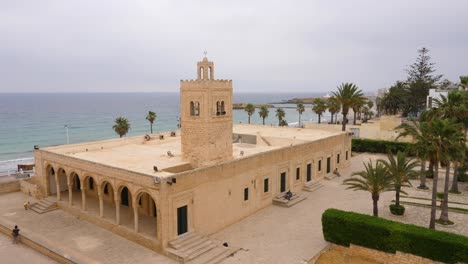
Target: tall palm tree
x: 250, y: 109
x: 357, y: 106
x: 121, y: 126
x: 333, y: 106
x: 300, y: 109
x: 401, y: 169
x: 348, y: 94
x: 453, y: 148
x: 151, y: 117
x: 375, y: 180
x: 420, y: 134
x: 455, y: 107
x: 264, y: 113
x: 280, y: 115
x: 319, y: 107
x: 439, y: 142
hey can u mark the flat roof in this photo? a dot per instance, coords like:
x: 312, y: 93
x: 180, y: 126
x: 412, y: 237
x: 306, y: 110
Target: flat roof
x: 139, y: 155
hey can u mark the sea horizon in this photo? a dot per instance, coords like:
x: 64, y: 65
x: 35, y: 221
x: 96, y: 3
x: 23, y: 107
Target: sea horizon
x: 29, y: 119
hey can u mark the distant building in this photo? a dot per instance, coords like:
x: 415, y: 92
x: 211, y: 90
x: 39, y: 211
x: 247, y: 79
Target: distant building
x: 436, y: 94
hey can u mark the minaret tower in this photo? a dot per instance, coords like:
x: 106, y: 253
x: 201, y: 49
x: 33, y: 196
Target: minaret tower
x: 206, y: 117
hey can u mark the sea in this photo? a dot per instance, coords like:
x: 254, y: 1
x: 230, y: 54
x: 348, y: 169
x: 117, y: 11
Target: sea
x: 49, y: 119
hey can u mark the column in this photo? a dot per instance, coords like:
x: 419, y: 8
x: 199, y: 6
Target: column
x: 83, y: 197
x: 70, y: 194
x: 117, y: 208
x: 57, y: 184
x: 101, y: 202
x: 135, y: 216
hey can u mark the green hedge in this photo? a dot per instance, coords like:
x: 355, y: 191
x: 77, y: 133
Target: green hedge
x: 379, y: 146
x: 345, y: 228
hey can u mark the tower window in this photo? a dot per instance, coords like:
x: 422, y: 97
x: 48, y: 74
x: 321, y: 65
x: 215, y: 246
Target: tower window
x: 218, y: 108
x: 298, y: 173
x: 246, y: 194
x: 192, y: 108
x: 266, y: 185
x: 210, y: 73
x: 197, y: 108
x: 223, y: 111
x: 202, y: 75
x: 320, y: 165
x: 338, y: 158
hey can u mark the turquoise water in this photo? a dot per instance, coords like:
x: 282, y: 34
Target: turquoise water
x: 39, y: 119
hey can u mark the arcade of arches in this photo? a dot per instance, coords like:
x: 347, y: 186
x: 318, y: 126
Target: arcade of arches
x: 120, y: 203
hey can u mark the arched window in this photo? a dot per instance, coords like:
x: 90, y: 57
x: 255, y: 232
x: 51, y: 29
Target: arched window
x: 218, y: 108
x: 197, y: 109
x: 192, y: 108
x: 223, y: 111
x: 202, y: 71
x: 210, y: 73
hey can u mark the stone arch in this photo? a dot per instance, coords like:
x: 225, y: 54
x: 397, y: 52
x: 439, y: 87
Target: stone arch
x: 146, y: 214
x: 202, y: 72
x: 218, y: 108
x: 124, y: 206
x: 223, y: 111
x: 61, y: 181
x: 50, y: 179
x: 210, y: 73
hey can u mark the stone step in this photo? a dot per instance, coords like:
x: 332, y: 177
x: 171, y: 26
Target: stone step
x: 285, y: 203
x: 330, y: 176
x: 183, y: 241
x: 312, y: 187
x: 194, y: 244
x: 200, y: 250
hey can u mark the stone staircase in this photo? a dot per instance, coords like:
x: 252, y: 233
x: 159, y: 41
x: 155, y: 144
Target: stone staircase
x: 45, y: 205
x: 312, y: 186
x: 283, y: 202
x: 330, y: 176
x: 194, y: 248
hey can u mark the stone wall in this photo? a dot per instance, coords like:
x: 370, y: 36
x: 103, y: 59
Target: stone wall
x: 29, y: 187
x: 379, y: 256
x: 9, y: 186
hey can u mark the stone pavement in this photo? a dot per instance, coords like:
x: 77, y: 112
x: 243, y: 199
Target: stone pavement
x: 20, y: 254
x: 77, y: 238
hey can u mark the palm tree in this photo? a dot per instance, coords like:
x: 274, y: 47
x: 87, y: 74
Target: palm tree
x: 348, y: 94
x: 375, y: 180
x: 454, y: 148
x: 151, y: 117
x: 357, y: 106
x: 280, y: 115
x: 401, y: 169
x: 440, y: 139
x: 319, y: 107
x: 333, y: 106
x: 264, y: 113
x: 455, y: 107
x: 300, y: 109
x: 121, y: 126
x: 250, y: 109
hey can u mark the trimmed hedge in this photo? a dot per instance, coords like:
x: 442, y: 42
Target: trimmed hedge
x: 379, y: 146
x: 397, y: 210
x: 345, y: 228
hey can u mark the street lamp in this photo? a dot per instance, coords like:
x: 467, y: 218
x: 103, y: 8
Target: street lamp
x: 68, y: 139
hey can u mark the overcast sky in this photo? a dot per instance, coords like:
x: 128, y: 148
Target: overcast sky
x: 263, y: 46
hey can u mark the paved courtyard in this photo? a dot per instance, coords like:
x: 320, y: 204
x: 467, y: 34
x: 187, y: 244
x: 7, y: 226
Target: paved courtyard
x: 272, y: 235
x: 20, y: 254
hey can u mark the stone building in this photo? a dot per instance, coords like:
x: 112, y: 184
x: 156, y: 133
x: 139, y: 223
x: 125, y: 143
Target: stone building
x: 158, y: 189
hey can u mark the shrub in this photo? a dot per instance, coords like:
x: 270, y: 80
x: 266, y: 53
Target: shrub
x: 344, y: 228
x: 380, y: 146
x: 461, y: 174
x: 397, y: 210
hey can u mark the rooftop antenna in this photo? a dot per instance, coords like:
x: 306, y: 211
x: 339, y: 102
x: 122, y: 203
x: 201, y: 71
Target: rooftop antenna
x: 205, y: 52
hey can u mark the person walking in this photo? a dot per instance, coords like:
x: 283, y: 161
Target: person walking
x: 15, y: 233
x: 26, y: 205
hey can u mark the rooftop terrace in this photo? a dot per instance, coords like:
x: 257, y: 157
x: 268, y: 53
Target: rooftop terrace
x: 140, y: 155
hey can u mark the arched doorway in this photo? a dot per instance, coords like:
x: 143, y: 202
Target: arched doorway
x: 51, y: 176
x: 126, y: 216
x: 74, y: 193
x: 90, y: 197
x: 146, y: 215
x: 62, y: 184
x: 108, y: 203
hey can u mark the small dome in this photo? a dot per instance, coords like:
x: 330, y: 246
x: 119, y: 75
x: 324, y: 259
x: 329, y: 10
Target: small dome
x: 205, y: 59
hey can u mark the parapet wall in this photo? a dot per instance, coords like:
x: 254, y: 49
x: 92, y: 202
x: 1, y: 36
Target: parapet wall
x: 9, y: 186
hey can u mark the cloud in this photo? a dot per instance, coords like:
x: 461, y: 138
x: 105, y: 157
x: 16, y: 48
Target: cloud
x: 274, y: 46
